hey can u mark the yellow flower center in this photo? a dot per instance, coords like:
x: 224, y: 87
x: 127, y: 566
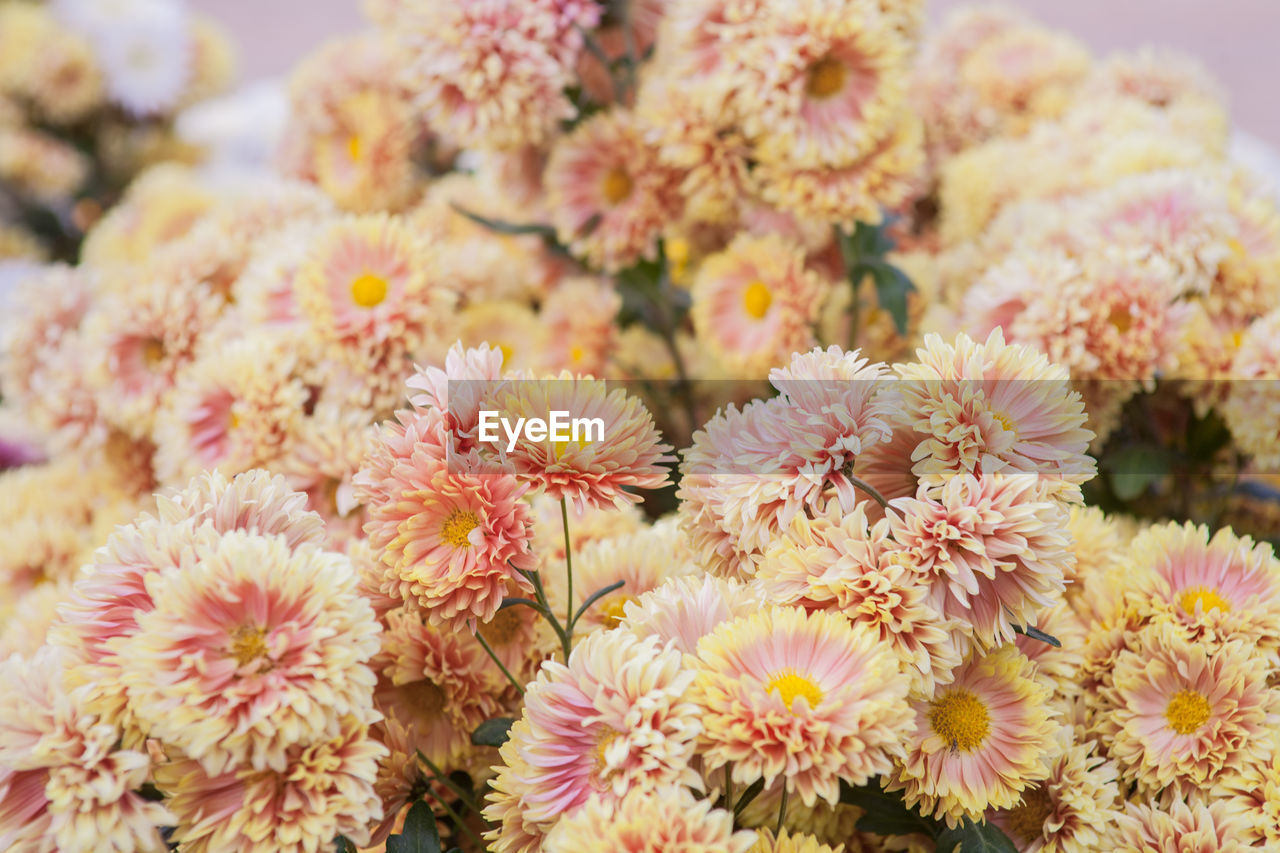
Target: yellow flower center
x: 825, y: 78
x: 507, y: 352
x: 425, y: 696
x: 678, y: 256
x: 458, y: 526
x: 1004, y: 421
x: 248, y: 643
x: 576, y: 354
x: 607, y: 737
x: 1188, y: 710
x: 617, y: 185
x: 1236, y: 339
x: 1121, y: 319
x: 613, y: 610
x: 756, y: 299
x: 152, y: 351
x: 1027, y: 818
x: 791, y: 684
x: 1206, y: 597
x: 961, y: 719
x: 368, y: 290
x: 502, y: 628
x: 233, y: 420
x: 353, y: 146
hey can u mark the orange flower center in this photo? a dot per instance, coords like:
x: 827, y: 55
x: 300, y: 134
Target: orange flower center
x: 1027, y: 818
x: 825, y: 78
x: 790, y: 684
x: 425, y: 696
x: 1121, y: 319
x: 248, y: 643
x: 756, y: 299
x: 612, y: 611
x: 502, y: 629
x: 617, y: 185
x: 152, y: 351
x: 1206, y: 598
x: 457, y: 528
x: 368, y: 290
x: 1188, y: 710
x: 961, y: 719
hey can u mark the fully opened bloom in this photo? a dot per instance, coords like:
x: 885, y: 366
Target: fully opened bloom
x: 251, y: 650
x: 686, y: 609
x: 980, y: 742
x: 1199, y: 828
x: 616, y: 719
x: 805, y: 697
x: 666, y: 820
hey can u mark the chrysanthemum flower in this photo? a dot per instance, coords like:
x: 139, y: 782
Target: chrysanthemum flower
x: 805, y: 697
x: 666, y: 820
x: 614, y: 720
x: 1059, y: 665
x: 520, y: 639
x: 255, y: 502
x: 1074, y: 810
x: 454, y: 538
x: 992, y: 550
x: 251, y: 650
x: 839, y: 563
x: 755, y: 303
x: 980, y: 742
x: 322, y: 791
x: 434, y: 682
x: 686, y: 609
x: 1251, y: 400
x: 607, y: 192
x: 644, y: 560
x: 369, y: 284
x: 402, y: 777
x: 789, y: 842
x: 1182, y: 714
x: 884, y: 177
x: 579, y: 318
x: 1254, y: 793
x: 993, y: 407
x: 598, y: 466
x: 1212, y: 589
x: 146, y: 57
x: 492, y: 73
x: 232, y: 409
x: 64, y: 78
x: 1211, y: 828
x: 512, y: 329
x: 146, y: 336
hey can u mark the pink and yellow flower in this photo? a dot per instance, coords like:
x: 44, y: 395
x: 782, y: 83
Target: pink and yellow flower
x: 665, y: 820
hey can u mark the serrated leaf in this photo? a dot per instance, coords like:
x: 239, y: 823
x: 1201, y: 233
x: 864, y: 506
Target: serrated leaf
x: 892, y: 288
x: 885, y: 813
x: 493, y: 732
x: 970, y: 837
x: 419, y: 834
x: 1132, y: 469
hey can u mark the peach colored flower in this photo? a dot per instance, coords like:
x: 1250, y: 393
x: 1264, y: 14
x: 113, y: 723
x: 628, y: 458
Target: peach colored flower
x: 686, y: 609
x: 1211, y: 828
x: 666, y: 820
x: 803, y: 697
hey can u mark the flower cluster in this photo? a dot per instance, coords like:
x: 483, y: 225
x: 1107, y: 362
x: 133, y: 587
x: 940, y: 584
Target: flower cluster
x: 967, y: 341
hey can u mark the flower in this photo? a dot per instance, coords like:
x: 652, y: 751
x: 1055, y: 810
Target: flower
x: 685, y: 609
x: 789, y: 842
x: 980, y: 742
x: 839, y: 563
x: 665, y: 820
x: 806, y: 697
x: 1183, y: 715
x: 755, y: 303
x: 250, y: 650
x: 618, y: 451
x: 255, y: 501
x: 436, y: 684
x: 146, y: 57
x: 615, y: 720
x: 990, y: 407
x: 607, y: 192
x: 1252, y: 398
x: 992, y: 550
x: 1074, y: 810
x: 454, y: 538
x: 1201, y: 828
x: 323, y: 790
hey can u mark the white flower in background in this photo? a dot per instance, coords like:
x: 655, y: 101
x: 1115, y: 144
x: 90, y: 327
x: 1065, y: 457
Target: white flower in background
x: 144, y: 47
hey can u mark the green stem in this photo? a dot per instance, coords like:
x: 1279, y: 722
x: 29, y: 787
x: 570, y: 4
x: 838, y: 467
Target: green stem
x: 459, y: 822
x: 728, y: 785
x: 567, y: 634
x: 516, y: 684
x: 782, y: 811
x: 462, y: 795
x: 544, y: 607
x: 863, y: 485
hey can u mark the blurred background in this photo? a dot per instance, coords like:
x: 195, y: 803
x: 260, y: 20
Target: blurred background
x: 1235, y: 39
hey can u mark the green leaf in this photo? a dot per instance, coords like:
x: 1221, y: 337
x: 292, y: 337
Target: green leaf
x: 1207, y: 435
x: 596, y: 596
x: 342, y: 844
x: 1132, y: 469
x: 892, y: 288
x: 503, y: 227
x: 419, y: 834
x: 970, y: 837
x: 1036, y: 634
x: 748, y: 795
x: 886, y: 814
x: 493, y: 732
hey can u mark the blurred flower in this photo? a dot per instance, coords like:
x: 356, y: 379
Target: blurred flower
x: 666, y: 820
